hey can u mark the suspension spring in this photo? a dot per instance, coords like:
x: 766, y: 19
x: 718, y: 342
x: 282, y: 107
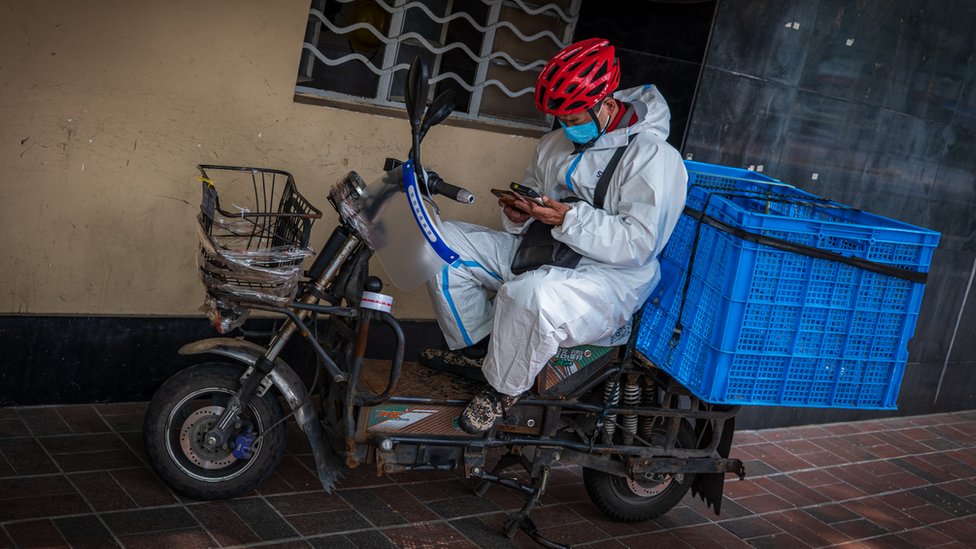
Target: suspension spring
x: 648, y: 399
x: 632, y: 397
x: 611, y: 394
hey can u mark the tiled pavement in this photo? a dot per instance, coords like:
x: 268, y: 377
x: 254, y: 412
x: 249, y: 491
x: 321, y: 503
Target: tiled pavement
x: 76, y: 475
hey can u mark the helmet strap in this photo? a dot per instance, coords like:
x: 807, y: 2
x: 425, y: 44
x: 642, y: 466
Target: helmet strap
x: 579, y: 147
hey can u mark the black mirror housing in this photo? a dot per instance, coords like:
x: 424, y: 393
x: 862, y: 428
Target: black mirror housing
x: 416, y: 92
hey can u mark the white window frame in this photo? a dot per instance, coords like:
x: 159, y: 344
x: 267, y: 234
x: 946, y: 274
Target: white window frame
x: 483, y: 58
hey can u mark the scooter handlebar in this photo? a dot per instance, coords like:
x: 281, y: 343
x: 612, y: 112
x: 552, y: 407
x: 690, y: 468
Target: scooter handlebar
x: 443, y: 188
x: 436, y: 184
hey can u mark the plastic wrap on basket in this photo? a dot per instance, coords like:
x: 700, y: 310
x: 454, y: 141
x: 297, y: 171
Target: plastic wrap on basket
x: 230, y: 270
x: 252, y: 251
x: 224, y: 316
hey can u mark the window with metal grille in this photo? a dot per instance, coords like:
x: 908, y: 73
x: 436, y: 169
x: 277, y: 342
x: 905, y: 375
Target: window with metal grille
x: 488, y: 51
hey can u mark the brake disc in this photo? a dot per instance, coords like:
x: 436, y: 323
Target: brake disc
x: 652, y: 485
x: 192, y: 434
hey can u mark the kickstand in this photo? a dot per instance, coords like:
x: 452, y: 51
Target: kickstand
x: 504, y: 462
x: 521, y: 520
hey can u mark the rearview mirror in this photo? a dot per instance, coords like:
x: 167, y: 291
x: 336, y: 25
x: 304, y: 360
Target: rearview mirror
x: 442, y: 106
x: 416, y: 92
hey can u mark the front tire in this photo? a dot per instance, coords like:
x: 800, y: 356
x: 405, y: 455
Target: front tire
x: 637, y: 500
x: 185, y: 408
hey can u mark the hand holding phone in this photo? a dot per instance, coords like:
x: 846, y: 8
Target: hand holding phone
x: 527, y: 193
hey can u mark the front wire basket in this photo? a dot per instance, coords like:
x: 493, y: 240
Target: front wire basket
x: 252, y: 251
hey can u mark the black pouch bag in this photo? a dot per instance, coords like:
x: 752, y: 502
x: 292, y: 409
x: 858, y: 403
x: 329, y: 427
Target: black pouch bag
x: 538, y: 247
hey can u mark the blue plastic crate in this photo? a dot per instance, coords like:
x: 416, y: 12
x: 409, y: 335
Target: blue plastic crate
x: 766, y: 326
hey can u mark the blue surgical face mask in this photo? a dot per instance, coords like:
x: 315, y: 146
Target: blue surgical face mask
x: 582, y: 133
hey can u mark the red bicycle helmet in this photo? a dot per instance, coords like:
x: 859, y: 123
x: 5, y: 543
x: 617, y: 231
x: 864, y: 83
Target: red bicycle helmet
x: 577, y: 78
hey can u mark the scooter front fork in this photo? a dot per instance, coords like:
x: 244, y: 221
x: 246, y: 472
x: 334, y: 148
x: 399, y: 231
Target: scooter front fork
x: 219, y: 436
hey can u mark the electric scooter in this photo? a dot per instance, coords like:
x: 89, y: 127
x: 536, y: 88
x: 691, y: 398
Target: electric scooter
x: 216, y: 430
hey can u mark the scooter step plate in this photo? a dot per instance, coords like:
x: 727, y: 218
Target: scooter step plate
x: 414, y: 419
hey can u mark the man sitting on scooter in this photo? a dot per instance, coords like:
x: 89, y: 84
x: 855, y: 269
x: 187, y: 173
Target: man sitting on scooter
x: 536, y: 312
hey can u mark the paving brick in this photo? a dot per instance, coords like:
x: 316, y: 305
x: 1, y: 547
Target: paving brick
x: 885, y: 451
x: 85, y: 531
x: 149, y: 520
x: 22, y: 487
x: 460, y: 506
x: 750, y: 527
x: 764, y: 503
x: 881, y: 514
x: 799, y: 447
x: 744, y: 438
x: 223, y: 523
x: 297, y: 475
x: 824, y: 458
x: 903, y: 443
x: 184, y: 539
x: 611, y: 527
x: 709, y: 536
x: 680, y: 516
x: 756, y: 468
x: 13, y: 427
x: 387, y: 505
x: 960, y: 488
x: 962, y: 530
x: 485, y: 535
x: 26, y: 457
x: 261, y: 518
x: 839, y: 428
x: 812, y: 479
x: 944, y: 500
x: 925, y: 537
x: 859, y: 528
x: 342, y: 541
x: 83, y: 419
x: 311, y: 502
x: 144, y: 487
x: 97, y: 461
x: 840, y: 491
x: 125, y: 423
x: 806, y: 527
x: 328, y: 522
x: 778, y: 458
x: 37, y: 533
x: 743, y: 488
x: 902, y: 500
x: 43, y: 422
x: 42, y: 506
x: 428, y: 535
x: 777, y: 541
x: 929, y: 514
x: 102, y: 492
x: 655, y: 540
x: 831, y: 513
x: 574, y: 533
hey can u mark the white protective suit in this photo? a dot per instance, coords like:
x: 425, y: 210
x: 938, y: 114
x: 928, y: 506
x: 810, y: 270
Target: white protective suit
x: 535, y: 313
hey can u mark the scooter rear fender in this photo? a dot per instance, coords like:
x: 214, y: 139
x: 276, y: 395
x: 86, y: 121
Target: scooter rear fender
x: 290, y: 386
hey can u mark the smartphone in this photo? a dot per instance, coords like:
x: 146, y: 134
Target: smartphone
x: 527, y: 192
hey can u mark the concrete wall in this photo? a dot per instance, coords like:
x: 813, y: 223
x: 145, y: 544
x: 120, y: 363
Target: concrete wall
x: 106, y: 106
x: 872, y: 104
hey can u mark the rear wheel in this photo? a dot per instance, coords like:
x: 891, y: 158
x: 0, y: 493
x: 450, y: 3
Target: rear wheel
x: 635, y: 500
x: 185, y: 408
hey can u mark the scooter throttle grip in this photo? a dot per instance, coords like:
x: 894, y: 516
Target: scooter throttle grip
x: 443, y: 188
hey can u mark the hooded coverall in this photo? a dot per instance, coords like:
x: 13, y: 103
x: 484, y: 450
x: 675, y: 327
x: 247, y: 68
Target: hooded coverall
x: 535, y: 313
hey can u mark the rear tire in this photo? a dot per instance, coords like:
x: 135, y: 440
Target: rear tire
x: 626, y: 500
x: 188, y: 405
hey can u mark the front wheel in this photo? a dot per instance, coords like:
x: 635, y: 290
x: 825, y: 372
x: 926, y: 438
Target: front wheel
x: 636, y: 500
x: 185, y: 408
